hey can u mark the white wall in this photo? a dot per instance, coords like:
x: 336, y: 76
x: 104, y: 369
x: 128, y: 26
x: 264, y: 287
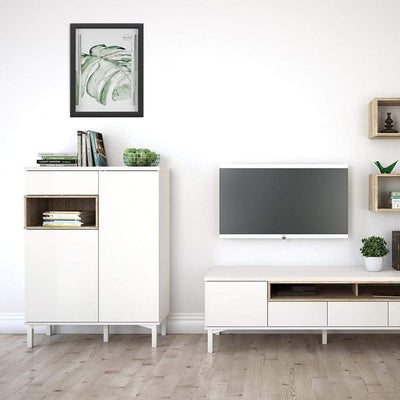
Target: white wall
x: 225, y: 81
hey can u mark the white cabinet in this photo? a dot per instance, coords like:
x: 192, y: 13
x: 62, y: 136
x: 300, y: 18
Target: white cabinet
x: 236, y: 304
x: 114, y: 270
x: 61, y: 276
x: 297, y: 314
x: 361, y: 313
x: 129, y: 246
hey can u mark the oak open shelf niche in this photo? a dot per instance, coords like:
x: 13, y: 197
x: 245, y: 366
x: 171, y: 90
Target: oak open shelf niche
x: 378, y: 108
x: 379, y: 187
x: 337, y: 291
x: 35, y: 206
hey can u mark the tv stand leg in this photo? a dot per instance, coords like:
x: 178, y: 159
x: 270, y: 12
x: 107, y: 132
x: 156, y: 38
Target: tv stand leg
x: 324, y: 336
x: 29, y: 336
x: 210, y: 340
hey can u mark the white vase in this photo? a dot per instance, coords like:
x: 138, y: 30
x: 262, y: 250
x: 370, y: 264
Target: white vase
x: 373, y: 264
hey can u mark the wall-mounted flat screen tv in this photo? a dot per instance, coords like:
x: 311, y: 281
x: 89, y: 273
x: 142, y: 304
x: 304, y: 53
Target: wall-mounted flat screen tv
x: 283, y: 201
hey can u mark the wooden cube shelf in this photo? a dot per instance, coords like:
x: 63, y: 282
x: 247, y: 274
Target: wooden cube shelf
x: 35, y: 206
x: 376, y: 123
x: 379, y: 187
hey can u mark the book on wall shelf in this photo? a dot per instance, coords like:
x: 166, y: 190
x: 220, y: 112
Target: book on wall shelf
x: 57, y: 160
x: 90, y: 149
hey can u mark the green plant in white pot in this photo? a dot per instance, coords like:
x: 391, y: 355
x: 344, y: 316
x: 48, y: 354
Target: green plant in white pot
x: 374, y: 249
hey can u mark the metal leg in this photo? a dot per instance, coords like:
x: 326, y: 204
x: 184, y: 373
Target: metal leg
x: 164, y: 327
x: 106, y: 331
x: 324, y: 337
x: 210, y: 340
x: 49, y: 330
x: 154, y: 336
x: 29, y: 336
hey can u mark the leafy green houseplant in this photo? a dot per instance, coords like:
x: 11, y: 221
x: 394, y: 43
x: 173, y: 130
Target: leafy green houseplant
x: 374, y: 248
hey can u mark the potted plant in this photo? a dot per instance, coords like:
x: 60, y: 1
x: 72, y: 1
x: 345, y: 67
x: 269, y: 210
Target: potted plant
x: 374, y: 249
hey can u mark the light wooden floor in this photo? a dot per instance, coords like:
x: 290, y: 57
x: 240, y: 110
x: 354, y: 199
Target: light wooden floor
x: 243, y: 367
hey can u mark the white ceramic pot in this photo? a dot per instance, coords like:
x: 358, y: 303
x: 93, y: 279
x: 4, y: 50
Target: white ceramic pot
x: 373, y: 264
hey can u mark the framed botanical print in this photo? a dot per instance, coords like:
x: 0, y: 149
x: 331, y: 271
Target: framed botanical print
x: 106, y: 70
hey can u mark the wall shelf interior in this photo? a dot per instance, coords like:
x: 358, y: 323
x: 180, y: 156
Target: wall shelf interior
x: 378, y: 109
x: 380, y: 185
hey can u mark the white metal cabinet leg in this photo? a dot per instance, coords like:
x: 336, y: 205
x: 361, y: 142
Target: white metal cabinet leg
x: 154, y: 336
x: 49, y: 330
x: 164, y: 327
x: 324, y: 336
x: 106, y: 331
x: 210, y: 340
x: 29, y: 336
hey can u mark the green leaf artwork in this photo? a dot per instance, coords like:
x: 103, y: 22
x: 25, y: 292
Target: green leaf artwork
x: 106, y: 73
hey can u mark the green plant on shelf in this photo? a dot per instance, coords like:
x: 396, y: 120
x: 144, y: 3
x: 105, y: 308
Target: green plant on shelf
x: 385, y: 170
x: 374, y: 246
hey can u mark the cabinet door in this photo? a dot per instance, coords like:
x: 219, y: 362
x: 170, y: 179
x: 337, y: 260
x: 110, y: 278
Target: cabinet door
x: 128, y: 246
x: 61, y: 276
x: 236, y: 303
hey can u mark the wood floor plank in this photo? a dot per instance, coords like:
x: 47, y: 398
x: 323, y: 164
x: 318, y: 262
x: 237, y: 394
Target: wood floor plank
x: 257, y: 366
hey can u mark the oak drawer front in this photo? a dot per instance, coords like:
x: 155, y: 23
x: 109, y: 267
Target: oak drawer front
x: 236, y: 304
x: 61, y: 182
x: 394, y: 313
x: 291, y: 313
x: 358, y: 314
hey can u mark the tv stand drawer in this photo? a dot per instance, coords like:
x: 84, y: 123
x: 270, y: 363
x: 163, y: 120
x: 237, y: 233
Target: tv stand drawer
x: 292, y: 313
x: 361, y: 314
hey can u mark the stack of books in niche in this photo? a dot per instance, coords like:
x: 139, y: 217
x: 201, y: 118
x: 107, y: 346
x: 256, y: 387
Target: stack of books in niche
x: 90, y: 149
x: 394, y: 199
x: 67, y: 219
x: 57, y: 159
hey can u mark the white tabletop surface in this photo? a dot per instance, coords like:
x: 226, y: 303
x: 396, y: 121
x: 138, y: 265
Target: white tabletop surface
x: 120, y: 168
x: 301, y: 274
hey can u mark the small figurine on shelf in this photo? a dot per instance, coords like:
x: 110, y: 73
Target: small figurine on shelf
x: 385, y: 170
x: 388, y: 125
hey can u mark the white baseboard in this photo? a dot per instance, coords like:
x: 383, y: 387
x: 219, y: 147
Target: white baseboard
x: 178, y: 323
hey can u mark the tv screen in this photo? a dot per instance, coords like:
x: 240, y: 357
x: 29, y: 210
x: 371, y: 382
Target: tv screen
x: 283, y: 201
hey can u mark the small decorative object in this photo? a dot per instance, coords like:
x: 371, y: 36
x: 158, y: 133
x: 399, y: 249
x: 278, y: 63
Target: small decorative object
x: 140, y: 158
x: 374, y: 249
x: 396, y: 250
x: 394, y: 200
x: 106, y: 70
x: 388, y: 125
x: 385, y: 170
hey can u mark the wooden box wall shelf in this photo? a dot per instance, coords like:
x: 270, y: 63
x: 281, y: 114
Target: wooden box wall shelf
x: 248, y: 298
x: 114, y: 272
x: 374, y: 126
x: 379, y: 187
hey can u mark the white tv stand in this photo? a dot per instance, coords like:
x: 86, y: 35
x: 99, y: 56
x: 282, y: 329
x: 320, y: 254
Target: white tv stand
x: 254, y: 298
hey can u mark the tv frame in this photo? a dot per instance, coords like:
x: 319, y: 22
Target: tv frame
x: 280, y: 236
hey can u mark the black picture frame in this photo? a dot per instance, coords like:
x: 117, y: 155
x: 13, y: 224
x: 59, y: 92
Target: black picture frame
x: 73, y: 111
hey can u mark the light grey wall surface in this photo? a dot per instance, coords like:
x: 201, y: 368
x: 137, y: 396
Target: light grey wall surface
x: 225, y: 81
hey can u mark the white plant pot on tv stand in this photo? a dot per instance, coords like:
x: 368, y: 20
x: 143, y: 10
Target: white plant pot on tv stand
x: 249, y: 298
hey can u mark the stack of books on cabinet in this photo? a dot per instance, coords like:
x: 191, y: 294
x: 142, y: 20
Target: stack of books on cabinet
x: 67, y: 219
x: 57, y: 159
